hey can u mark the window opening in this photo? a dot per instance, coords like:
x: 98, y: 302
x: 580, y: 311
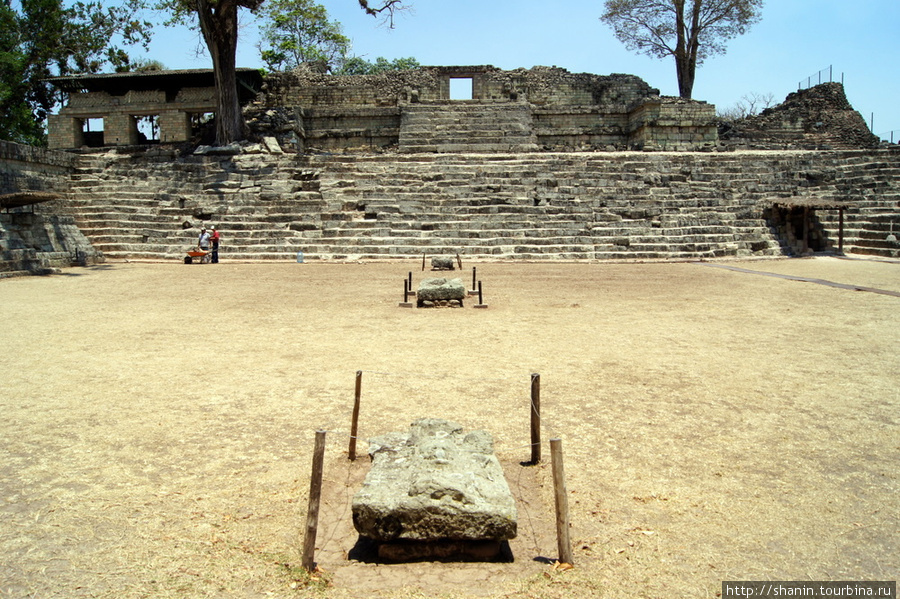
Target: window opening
x: 203, y: 126
x: 148, y: 128
x: 92, y: 132
x: 461, y: 88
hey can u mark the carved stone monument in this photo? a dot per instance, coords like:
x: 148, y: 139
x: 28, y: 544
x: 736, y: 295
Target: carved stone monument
x: 435, y: 491
x: 441, y: 292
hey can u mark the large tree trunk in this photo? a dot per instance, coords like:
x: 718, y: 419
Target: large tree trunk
x: 687, y: 46
x: 685, y: 70
x: 219, y: 26
x: 229, y: 118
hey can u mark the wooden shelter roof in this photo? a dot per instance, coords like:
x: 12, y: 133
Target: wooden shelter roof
x: 118, y: 84
x: 26, y: 198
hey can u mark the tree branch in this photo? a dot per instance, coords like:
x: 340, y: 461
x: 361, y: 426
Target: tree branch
x: 389, y: 6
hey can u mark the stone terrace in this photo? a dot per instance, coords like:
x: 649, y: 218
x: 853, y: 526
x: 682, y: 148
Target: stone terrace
x: 581, y: 206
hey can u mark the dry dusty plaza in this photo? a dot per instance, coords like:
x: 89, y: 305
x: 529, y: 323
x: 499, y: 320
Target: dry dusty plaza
x: 717, y: 423
x: 710, y: 307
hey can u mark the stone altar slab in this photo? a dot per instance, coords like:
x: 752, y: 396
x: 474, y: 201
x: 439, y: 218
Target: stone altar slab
x: 435, y: 483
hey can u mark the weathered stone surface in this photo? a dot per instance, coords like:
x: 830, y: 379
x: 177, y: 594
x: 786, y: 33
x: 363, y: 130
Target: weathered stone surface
x: 435, y: 483
x: 441, y: 289
x: 227, y: 150
x: 442, y: 263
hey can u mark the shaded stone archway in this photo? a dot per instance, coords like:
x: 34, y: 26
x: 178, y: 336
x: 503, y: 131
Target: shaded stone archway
x: 799, y: 228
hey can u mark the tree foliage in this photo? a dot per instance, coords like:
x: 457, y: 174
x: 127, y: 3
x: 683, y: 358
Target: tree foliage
x: 688, y: 30
x: 357, y: 65
x: 45, y: 38
x: 298, y: 31
x: 218, y: 21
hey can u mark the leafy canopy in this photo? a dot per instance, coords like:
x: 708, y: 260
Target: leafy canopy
x: 45, y: 38
x: 298, y: 31
x: 360, y: 66
x: 688, y: 30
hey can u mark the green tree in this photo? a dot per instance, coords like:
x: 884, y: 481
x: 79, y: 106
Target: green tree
x: 360, y: 66
x: 218, y: 21
x: 298, y: 31
x: 40, y: 39
x: 688, y: 30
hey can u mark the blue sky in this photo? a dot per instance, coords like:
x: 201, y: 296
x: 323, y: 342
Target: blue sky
x: 794, y: 40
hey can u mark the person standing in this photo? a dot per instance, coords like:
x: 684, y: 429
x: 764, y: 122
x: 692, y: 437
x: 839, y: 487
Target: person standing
x: 215, y: 245
x: 203, y: 241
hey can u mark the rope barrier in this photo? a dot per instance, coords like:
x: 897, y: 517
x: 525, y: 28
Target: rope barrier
x: 439, y: 376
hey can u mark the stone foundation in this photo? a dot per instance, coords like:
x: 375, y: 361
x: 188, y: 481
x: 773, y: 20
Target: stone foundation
x: 561, y: 206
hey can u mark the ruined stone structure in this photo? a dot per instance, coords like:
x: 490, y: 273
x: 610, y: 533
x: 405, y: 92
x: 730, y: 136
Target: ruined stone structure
x: 508, y: 111
x: 818, y: 118
x: 35, y: 236
x: 584, y: 206
x: 174, y: 100
x: 415, y: 184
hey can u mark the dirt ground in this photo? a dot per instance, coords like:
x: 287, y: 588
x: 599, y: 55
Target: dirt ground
x: 158, y: 423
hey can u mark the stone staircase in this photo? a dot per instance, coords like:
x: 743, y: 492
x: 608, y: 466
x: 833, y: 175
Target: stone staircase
x: 466, y: 126
x: 528, y: 206
x: 535, y: 206
x: 152, y: 209
x: 869, y: 182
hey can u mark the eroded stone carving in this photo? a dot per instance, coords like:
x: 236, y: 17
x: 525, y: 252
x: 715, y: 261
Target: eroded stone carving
x: 435, y: 483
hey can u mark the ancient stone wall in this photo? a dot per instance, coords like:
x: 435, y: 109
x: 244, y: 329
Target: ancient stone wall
x: 26, y: 168
x: 542, y: 206
x: 36, y: 237
x: 570, y: 111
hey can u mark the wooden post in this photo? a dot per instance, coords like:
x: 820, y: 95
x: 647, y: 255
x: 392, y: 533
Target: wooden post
x: 805, y: 229
x: 535, y: 418
x: 405, y: 291
x: 480, y: 298
x: 354, y: 423
x: 562, y: 502
x: 410, y: 281
x: 315, y: 495
x: 473, y: 279
x: 423, y: 262
x: 841, y: 231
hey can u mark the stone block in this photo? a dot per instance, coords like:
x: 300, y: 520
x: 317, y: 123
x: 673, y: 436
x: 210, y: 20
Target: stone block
x: 441, y: 262
x: 434, y: 483
x: 441, y: 289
